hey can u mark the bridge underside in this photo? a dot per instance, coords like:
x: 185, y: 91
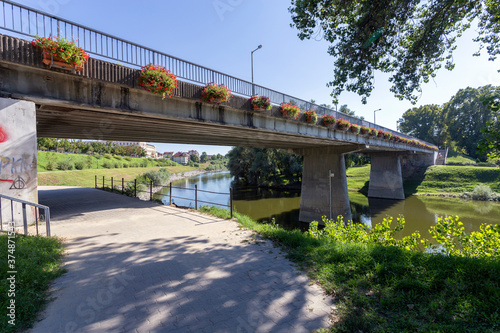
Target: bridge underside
x: 105, y: 103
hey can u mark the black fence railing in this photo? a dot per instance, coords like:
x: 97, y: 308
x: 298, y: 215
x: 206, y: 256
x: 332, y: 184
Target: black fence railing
x: 155, y: 192
x: 23, y: 20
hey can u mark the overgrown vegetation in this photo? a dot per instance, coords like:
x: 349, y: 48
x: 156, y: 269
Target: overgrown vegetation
x: 380, y: 286
x: 37, y: 262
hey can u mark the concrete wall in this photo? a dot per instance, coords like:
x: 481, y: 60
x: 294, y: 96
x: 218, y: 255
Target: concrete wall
x: 386, y: 180
x: 18, y: 156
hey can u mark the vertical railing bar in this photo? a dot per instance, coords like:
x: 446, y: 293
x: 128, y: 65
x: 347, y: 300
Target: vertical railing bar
x: 37, y: 212
x: 103, y: 182
x: 21, y: 17
x: 112, y: 185
x: 170, y: 200
x: 47, y: 221
x: 135, y: 188
x: 1, y: 215
x: 123, y: 185
x: 25, y: 219
x: 231, y: 200
x: 151, y: 190
x: 196, y: 197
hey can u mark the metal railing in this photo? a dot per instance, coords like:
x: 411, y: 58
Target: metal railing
x: 24, y: 203
x: 27, y: 21
x: 135, y: 189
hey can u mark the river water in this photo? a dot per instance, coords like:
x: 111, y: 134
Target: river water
x: 263, y: 205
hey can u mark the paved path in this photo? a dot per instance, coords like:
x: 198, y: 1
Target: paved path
x: 137, y: 266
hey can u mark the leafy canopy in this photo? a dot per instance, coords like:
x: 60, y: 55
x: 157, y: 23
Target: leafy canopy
x: 412, y: 39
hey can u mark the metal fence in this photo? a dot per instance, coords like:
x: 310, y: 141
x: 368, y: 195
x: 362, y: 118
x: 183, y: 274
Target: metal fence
x: 149, y: 189
x: 27, y: 21
x: 24, y: 204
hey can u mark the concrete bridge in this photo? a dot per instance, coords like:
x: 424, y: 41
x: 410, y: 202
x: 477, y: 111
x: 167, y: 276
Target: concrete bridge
x: 104, y: 102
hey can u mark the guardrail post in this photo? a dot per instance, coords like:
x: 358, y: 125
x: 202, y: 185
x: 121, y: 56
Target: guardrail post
x: 25, y: 219
x: 123, y: 185
x: 112, y: 186
x: 1, y: 220
x: 196, y: 197
x: 47, y: 220
x: 103, y: 182
x: 135, y: 188
x: 170, y: 201
x: 95, y: 181
x: 150, y: 190
x: 231, y: 201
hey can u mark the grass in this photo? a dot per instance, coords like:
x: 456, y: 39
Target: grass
x: 457, y: 158
x: 86, y: 178
x: 37, y: 262
x: 436, y: 180
x: 387, y: 289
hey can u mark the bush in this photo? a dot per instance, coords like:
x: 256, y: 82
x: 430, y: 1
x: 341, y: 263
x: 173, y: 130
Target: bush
x: 159, y: 177
x: 118, y: 157
x: 125, y: 165
x: 108, y: 156
x: 128, y: 158
x: 79, y: 165
x: 107, y: 165
x: 50, y: 166
x: 65, y: 165
x: 482, y: 192
x: 117, y: 165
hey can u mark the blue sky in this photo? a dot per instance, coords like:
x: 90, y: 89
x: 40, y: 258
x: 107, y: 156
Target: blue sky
x: 220, y: 34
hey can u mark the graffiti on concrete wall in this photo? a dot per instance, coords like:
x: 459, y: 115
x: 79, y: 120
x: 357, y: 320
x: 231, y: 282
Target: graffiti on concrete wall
x: 11, y: 169
x: 3, y: 135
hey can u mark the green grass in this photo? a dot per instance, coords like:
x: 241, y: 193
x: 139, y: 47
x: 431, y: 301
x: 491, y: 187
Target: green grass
x: 436, y: 180
x: 457, y: 158
x: 91, y: 162
x: 37, y: 262
x: 86, y: 178
x: 387, y: 289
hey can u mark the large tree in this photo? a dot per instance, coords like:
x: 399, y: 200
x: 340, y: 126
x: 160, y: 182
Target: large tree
x: 411, y: 39
x: 426, y: 123
x: 466, y: 115
x: 491, y: 141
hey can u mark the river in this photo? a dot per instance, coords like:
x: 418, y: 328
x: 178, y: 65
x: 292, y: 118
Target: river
x: 263, y: 205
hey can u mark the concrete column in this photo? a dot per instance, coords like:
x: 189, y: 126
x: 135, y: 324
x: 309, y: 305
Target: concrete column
x: 18, y: 157
x: 316, y: 189
x: 386, y: 179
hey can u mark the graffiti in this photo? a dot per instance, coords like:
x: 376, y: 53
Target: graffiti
x: 18, y: 165
x: 18, y: 183
x: 3, y: 136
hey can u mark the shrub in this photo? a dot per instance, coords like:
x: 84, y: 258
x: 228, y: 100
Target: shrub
x: 119, y: 158
x: 215, y: 93
x: 117, y: 165
x: 50, y: 166
x: 157, y: 80
x: 79, y: 165
x: 482, y: 192
x: 128, y: 158
x: 107, y: 165
x: 65, y: 165
x: 108, y: 156
x: 125, y: 165
x: 157, y: 177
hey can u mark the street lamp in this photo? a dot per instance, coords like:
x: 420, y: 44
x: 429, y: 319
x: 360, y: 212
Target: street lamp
x: 374, y: 115
x: 253, y: 86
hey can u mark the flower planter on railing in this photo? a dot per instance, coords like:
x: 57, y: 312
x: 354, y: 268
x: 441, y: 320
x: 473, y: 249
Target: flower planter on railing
x: 55, y: 61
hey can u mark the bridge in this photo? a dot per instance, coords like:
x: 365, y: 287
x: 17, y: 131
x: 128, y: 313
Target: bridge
x: 104, y: 102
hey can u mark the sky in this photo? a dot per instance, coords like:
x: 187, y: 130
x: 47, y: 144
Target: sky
x: 220, y: 34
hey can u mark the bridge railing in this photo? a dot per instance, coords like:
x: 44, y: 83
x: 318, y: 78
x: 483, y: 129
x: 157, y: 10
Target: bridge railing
x: 27, y: 21
x: 24, y: 204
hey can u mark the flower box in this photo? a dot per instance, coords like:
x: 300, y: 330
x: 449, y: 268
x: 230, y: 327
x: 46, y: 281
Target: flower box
x: 260, y: 103
x: 311, y: 116
x: 328, y: 120
x: 355, y: 128
x: 61, y: 53
x: 343, y: 124
x: 215, y: 93
x: 157, y: 80
x: 55, y: 61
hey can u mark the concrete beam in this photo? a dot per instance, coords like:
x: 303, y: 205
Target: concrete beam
x: 323, y: 195
x: 386, y: 179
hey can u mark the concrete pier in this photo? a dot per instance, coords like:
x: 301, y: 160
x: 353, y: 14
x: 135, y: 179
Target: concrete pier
x: 324, y: 184
x: 386, y: 180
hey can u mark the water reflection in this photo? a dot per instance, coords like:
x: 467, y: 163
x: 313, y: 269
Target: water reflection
x: 283, y: 205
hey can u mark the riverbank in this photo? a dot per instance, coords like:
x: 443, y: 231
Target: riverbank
x: 389, y: 289
x: 437, y: 180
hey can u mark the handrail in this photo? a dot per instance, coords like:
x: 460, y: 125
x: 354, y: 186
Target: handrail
x: 25, y: 219
x: 27, y: 21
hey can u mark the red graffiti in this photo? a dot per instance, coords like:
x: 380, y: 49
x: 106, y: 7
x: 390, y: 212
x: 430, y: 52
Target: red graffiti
x: 6, y: 180
x: 3, y: 135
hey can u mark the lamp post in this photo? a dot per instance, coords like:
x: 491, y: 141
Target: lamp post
x: 374, y: 115
x: 253, y: 86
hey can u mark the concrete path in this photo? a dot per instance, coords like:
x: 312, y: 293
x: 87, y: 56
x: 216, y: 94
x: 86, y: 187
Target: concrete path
x: 137, y: 266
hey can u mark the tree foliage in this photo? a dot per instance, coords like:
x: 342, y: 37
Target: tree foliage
x: 412, y: 39
x: 491, y: 139
x: 264, y: 166
x: 426, y: 123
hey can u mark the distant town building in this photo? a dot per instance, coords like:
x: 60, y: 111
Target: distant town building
x: 193, y: 152
x: 168, y: 154
x: 181, y: 158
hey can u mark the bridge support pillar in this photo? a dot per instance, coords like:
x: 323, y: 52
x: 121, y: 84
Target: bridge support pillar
x: 386, y: 179
x: 324, y: 184
x: 18, y: 157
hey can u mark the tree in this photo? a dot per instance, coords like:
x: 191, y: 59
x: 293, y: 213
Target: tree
x: 346, y: 110
x: 491, y: 141
x: 411, y: 39
x: 465, y: 114
x: 194, y: 158
x: 426, y: 123
x: 203, y: 157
